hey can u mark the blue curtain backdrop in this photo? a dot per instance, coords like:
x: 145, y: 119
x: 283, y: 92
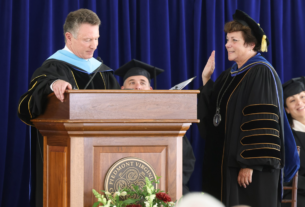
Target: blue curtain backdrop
x: 176, y: 35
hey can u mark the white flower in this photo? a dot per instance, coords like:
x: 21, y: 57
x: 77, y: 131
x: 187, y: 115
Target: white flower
x: 156, y: 205
x: 152, y: 197
x: 108, y: 204
x: 123, y: 193
x: 104, y: 200
x: 148, y: 190
x: 149, y: 186
x: 171, y: 203
x: 96, y: 194
x: 147, y: 204
x: 117, y: 194
x: 149, y: 199
x: 107, y: 193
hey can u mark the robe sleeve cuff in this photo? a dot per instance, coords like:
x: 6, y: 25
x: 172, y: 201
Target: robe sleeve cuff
x: 51, y: 86
x: 258, y: 168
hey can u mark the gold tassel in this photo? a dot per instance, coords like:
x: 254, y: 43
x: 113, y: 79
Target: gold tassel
x: 264, y: 44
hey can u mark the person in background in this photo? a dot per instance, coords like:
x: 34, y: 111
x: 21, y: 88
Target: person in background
x: 69, y: 68
x: 137, y: 76
x: 199, y: 200
x: 294, y: 102
x: 241, y: 118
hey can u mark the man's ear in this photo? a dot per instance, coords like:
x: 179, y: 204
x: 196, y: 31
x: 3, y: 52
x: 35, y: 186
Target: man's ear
x: 122, y: 87
x: 151, y: 88
x: 287, y: 110
x: 68, y: 36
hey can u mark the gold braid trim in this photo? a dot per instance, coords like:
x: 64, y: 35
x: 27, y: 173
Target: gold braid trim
x: 260, y: 112
x: 38, y: 77
x: 260, y: 157
x: 74, y: 79
x: 258, y: 128
x: 20, y: 104
x: 26, y: 123
x: 29, y: 106
x: 33, y: 86
x: 259, y: 143
x: 103, y: 80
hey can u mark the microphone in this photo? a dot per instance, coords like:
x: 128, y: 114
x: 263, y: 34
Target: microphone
x: 97, y: 70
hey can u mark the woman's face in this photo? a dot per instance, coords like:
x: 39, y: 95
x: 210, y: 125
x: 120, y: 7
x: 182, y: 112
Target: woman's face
x: 238, y: 51
x: 296, y: 106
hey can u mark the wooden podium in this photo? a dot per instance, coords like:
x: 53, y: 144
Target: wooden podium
x: 92, y: 129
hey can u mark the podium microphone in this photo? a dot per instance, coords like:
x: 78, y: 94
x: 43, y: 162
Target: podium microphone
x: 97, y: 70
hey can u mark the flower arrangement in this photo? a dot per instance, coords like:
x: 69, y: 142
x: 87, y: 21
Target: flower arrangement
x: 147, y: 196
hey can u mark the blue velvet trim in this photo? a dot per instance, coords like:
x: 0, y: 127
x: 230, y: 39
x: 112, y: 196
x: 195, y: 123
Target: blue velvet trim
x: 89, y: 65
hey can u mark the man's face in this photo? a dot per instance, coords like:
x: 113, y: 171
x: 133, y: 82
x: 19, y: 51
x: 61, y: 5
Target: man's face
x: 86, y: 41
x: 138, y: 82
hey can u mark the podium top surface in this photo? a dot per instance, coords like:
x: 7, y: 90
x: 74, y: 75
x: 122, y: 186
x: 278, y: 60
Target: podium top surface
x: 135, y: 91
x: 122, y: 106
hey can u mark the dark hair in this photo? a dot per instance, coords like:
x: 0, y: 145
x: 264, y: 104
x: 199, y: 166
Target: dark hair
x: 234, y: 26
x: 78, y: 17
x: 289, y: 117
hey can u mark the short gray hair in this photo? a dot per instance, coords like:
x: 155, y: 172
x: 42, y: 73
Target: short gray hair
x: 78, y: 17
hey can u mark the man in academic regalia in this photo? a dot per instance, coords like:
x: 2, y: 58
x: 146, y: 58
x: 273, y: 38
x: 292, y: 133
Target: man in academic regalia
x: 136, y: 76
x: 69, y: 68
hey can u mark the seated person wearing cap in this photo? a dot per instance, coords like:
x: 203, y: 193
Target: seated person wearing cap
x: 294, y: 102
x: 136, y: 76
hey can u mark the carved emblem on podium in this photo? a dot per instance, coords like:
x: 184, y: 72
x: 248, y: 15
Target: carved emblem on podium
x: 127, y: 172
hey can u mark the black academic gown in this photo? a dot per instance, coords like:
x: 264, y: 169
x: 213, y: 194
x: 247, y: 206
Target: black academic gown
x: 188, y: 163
x: 249, y: 136
x: 300, y: 141
x: 33, y: 103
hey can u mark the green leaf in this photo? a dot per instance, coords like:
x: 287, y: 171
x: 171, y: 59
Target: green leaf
x: 117, y: 199
x: 135, y: 187
x: 96, y: 204
x: 130, y: 201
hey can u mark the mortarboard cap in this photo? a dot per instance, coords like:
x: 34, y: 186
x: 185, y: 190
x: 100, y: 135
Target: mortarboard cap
x: 294, y: 86
x: 136, y: 67
x: 256, y: 30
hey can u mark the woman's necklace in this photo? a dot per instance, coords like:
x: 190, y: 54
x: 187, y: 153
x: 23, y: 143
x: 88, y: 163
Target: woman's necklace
x: 217, y: 116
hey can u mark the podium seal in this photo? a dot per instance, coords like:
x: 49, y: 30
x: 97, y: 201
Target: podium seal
x: 127, y: 172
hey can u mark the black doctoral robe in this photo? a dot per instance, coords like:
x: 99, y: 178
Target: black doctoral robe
x: 300, y: 141
x: 249, y: 136
x: 33, y: 103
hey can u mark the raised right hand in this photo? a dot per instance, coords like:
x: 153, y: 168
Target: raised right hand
x: 209, y: 68
x: 59, y: 88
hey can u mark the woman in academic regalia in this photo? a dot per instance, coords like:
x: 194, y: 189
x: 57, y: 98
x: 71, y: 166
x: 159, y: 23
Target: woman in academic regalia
x: 241, y: 120
x: 294, y: 94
